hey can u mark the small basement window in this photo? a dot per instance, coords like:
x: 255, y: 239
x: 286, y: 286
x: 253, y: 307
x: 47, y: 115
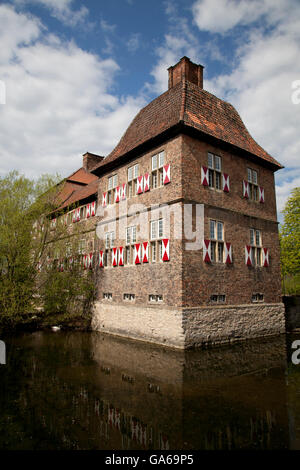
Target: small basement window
x: 107, y: 295
x: 129, y: 297
x: 218, y: 298
x: 155, y: 298
x: 257, y: 298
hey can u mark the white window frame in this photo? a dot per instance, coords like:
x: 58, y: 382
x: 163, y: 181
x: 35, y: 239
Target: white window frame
x: 256, y: 246
x: 214, y: 163
x: 216, y: 243
x: 253, y: 183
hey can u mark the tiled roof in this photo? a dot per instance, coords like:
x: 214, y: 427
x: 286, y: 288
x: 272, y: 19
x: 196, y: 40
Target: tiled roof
x: 80, y: 194
x: 196, y: 108
x: 82, y: 176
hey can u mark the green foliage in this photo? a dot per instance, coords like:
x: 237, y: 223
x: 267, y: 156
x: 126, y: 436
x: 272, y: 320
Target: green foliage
x: 22, y: 203
x: 68, y: 294
x: 290, y: 244
x: 27, y: 283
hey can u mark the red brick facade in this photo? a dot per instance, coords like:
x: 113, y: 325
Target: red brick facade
x: 205, y: 160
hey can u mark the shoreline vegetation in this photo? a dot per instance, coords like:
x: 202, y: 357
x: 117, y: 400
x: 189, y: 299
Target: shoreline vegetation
x: 42, y: 280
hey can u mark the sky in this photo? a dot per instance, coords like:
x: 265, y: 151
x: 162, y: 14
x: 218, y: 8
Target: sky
x: 73, y: 74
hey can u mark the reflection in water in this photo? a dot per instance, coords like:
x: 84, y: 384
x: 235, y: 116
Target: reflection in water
x: 91, y: 391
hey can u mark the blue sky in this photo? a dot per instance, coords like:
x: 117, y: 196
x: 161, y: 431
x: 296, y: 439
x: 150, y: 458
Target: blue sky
x: 76, y: 73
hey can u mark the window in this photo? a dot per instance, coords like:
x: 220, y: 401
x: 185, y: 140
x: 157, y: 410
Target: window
x: 156, y: 229
x: 133, y: 173
x: 257, y: 298
x: 153, y: 252
x: 216, y: 229
x: 130, y: 235
x: 109, y: 244
x: 157, y: 163
x: 218, y: 298
x: 107, y: 295
x: 155, y: 298
x: 160, y: 250
x: 68, y: 249
x: 82, y: 212
x: 214, y: 171
x: 253, y: 185
x: 256, y: 246
x: 129, y: 297
x: 81, y: 246
x: 130, y: 241
x: 128, y: 255
x: 111, y: 185
x: 156, y: 234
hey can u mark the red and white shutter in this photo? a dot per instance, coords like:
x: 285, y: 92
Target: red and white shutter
x: 137, y: 253
x: 115, y: 257
x: 261, y: 194
x: 166, y: 174
x: 228, y: 253
x: 104, y: 199
x: 245, y: 189
x: 145, y: 252
x: 90, y: 260
x: 74, y: 216
x: 226, y: 185
x: 85, y: 261
x: 140, y: 181
x: 165, y: 249
x: 88, y: 211
x: 78, y: 214
x: 204, y: 176
x: 93, y: 208
x: 248, y: 259
x: 265, y: 257
x: 206, y: 251
x: 117, y: 194
x: 123, y: 191
x: 121, y: 256
x: 146, y: 182
x: 101, y: 259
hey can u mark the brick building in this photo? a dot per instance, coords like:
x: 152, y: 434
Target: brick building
x: 187, y: 240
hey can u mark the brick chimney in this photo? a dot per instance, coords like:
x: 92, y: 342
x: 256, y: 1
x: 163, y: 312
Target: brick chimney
x: 90, y: 160
x: 186, y: 70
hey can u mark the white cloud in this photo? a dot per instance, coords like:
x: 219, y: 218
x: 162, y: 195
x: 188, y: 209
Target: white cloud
x: 107, y: 27
x: 58, y: 100
x: 133, y: 42
x: 220, y: 16
x: 61, y: 9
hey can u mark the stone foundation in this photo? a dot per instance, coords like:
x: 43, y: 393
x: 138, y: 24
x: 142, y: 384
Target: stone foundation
x: 185, y: 328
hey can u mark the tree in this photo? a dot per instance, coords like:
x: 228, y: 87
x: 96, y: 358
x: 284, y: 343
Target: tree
x: 290, y: 236
x: 24, y: 202
x: 27, y: 283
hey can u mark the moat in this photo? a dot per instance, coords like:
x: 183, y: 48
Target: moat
x: 74, y: 390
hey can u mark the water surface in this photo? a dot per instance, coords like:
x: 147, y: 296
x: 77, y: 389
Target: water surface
x: 74, y: 390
